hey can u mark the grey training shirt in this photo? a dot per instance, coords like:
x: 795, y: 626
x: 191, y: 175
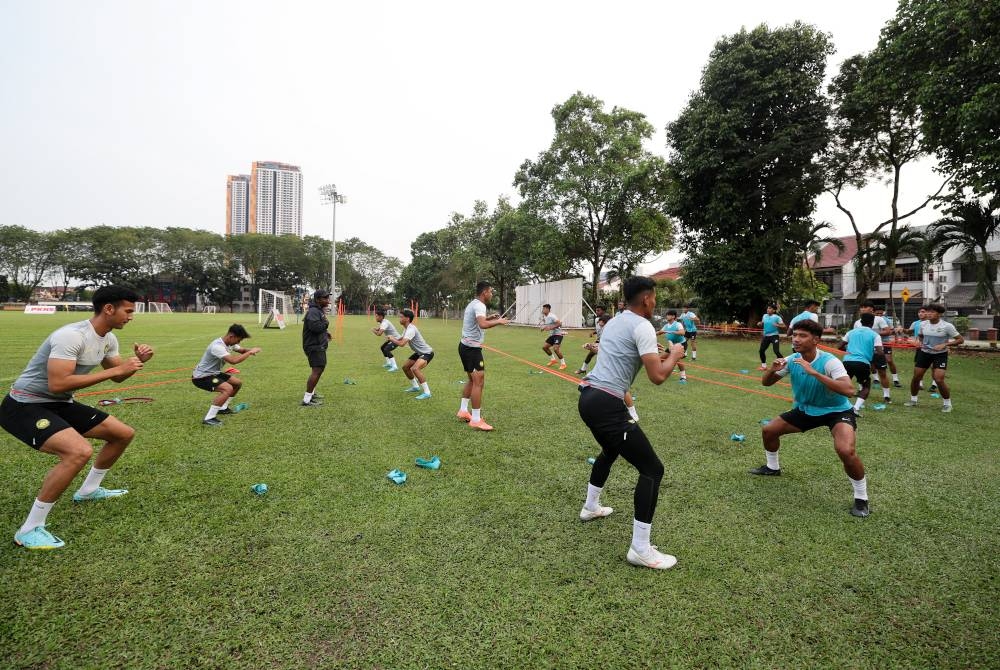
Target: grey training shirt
x: 472, y: 334
x: 416, y: 340
x: 211, y: 362
x: 74, y: 342
x: 624, y: 341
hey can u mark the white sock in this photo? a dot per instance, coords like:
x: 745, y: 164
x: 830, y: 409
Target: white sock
x: 859, y: 403
x: 772, y: 459
x: 552, y: 357
x: 694, y: 356
x: 307, y: 397
x: 225, y: 405
x: 36, y: 517
x: 684, y: 375
x: 593, y: 497
x: 921, y: 384
x: 392, y: 364
x: 632, y: 413
x: 562, y: 361
x: 913, y: 398
x: 895, y: 377
x: 885, y: 393
x: 93, y: 480
x: 640, y: 536
x: 464, y: 406
x: 475, y: 414
x: 212, y: 411
x: 414, y: 383
x: 426, y: 388
x: 583, y: 367
x: 388, y: 361
x: 860, y: 487
x: 947, y: 402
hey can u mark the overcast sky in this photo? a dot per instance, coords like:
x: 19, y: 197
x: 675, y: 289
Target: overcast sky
x: 133, y: 113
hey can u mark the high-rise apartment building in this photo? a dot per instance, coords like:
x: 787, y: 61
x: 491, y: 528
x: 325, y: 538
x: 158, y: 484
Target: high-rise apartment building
x: 275, y: 199
x: 237, y: 204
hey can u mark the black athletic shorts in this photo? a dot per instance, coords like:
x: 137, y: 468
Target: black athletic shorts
x: 887, y: 349
x: 472, y: 358
x: 211, y: 382
x: 806, y: 422
x: 34, y: 423
x: 554, y: 340
x: 925, y: 360
x: 879, y: 362
x: 317, y: 357
x: 860, y: 371
x: 426, y: 357
x: 691, y: 335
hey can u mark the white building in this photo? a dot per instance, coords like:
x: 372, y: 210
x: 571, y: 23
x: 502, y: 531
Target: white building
x: 237, y: 204
x: 275, y: 199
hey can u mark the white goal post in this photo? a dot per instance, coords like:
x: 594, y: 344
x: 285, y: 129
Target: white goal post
x: 274, y: 309
x: 210, y: 309
x: 565, y: 296
x: 140, y: 307
x: 159, y: 307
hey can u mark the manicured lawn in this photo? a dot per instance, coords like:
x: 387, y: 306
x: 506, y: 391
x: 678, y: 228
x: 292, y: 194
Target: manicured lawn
x: 484, y: 563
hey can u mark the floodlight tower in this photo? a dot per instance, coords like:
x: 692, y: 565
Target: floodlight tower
x: 331, y: 196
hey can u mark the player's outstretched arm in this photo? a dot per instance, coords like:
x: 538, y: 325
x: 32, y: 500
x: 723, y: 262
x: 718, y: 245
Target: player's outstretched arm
x: 63, y: 380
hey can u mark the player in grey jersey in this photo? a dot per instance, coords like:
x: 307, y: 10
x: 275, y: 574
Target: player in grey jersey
x: 421, y: 357
x: 936, y: 335
x: 470, y: 350
x: 40, y: 410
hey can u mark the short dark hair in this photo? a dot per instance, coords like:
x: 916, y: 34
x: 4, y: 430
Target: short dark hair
x: 239, y: 331
x: 547, y: 305
x: 634, y: 287
x: 809, y: 326
x: 380, y: 312
x: 867, y: 303
x: 772, y: 306
x: 113, y: 295
x: 604, y: 318
x: 482, y: 286
x: 867, y: 319
x: 810, y: 303
x: 408, y: 313
x: 936, y: 307
x: 671, y: 312
x: 600, y: 307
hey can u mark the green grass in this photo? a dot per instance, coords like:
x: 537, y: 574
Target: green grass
x: 484, y: 564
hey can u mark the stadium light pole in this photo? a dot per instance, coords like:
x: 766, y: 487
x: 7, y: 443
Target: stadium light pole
x: 331, y: 196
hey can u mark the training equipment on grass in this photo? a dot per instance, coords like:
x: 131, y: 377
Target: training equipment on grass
x: 259, y: 489
x: 764, y: 422
x: 273, y: 308
x: 738, y: 437
x: 432, y: 463
x: 122, y: 401
x: 878, y: 407
x: 241, y: 407
x: 591, y: 460
x: 396, y: 476
x: 350, y: 382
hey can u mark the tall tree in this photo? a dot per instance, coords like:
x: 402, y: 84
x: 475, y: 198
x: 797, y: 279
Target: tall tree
x: 742, y: 158
x: 876, y: 124
x: 888, y: 246
x: 596, y: 181
x: 970, y: 226
x: 25, y: 258
x: 951, y: 52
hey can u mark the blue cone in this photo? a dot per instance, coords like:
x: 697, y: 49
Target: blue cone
x: 397, y: 476
x: 737, y: 437
x: 432, y: 463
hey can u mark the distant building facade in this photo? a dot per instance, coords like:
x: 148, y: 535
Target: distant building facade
x: 275, y: 199
x: 237, y: 204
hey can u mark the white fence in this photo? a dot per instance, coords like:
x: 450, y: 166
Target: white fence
x: 565, y: 296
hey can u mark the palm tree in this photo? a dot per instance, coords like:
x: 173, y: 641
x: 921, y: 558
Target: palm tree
x: 889, y: 246
x: 812, y: 241
x: 969, y: 227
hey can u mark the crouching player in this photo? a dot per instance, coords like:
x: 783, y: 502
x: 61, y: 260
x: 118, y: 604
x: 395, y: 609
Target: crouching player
x: 421, y: 357
x: 208, y: 374
x: 821, y: 390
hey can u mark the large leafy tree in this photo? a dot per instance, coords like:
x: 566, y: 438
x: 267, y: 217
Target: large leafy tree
x: 25, y: 258
x: 743, y: 163
x: 951, y: 52
x: 596, y: 182
x: 969, y: 226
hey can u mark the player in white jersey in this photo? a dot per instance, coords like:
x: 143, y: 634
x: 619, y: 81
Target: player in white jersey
x: 421, y: 357
x: 601, y: 320
x: 208, y: 374
x: 887, y: 342
x: 879, y: 363
x: 936, y: 335
x: 387, y: 330
x: 470, y: 350
x: 628, y: 344
x: 41, y: 412
x: 553, y: 326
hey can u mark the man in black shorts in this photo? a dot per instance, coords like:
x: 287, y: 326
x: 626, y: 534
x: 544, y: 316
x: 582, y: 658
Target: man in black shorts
x: 40, y: 410
x: 208, y: 374
x: 553, y: 326
x: 315, y: 340
x: 470, y: 350
x: 821, y: 391
x: 862, y: 344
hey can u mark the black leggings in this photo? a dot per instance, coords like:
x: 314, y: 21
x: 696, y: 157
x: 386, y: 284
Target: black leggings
x: 774, y: 341
x: 619, y: 435
x: 387, y: 348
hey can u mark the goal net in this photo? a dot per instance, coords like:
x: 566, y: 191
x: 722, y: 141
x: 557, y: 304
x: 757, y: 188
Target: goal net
x: 274, y: 309
x: 565, y: 296
x: 210, y: 309
x: 140, y: 307
x: 160, y: 307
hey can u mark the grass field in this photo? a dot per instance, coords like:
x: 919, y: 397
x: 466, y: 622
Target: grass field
x: 484, y: 564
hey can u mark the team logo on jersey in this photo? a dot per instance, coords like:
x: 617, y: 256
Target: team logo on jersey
x: 107, y: 347
x: 481, y: 363
x: 42, y: 424
x: 215, y: 380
